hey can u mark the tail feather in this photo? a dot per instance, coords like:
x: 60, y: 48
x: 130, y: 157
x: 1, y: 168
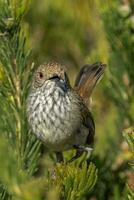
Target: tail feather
x: 87, y: 78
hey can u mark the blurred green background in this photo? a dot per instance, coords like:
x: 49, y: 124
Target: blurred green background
x: 72, y: 32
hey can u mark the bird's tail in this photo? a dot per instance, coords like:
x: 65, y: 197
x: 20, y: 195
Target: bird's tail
x: 87, y: 78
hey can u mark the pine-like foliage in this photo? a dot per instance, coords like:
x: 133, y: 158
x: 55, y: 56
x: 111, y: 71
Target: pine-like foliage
x: 129, y: 136
x: 20, y: 150
x: 118, y: 21
x: 118, y: 18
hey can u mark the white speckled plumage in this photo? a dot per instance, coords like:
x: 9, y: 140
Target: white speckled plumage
x: 55, y: 117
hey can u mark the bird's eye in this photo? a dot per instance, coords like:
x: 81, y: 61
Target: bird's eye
x: 40, y: 75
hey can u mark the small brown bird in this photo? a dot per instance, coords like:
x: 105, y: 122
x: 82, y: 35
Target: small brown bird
x: 57, y: 113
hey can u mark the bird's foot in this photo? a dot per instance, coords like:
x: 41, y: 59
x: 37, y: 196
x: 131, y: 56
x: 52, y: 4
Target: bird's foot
x: 79, y: 151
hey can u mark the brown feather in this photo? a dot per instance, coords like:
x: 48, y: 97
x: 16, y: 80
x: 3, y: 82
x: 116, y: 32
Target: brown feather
x: 87, y: 79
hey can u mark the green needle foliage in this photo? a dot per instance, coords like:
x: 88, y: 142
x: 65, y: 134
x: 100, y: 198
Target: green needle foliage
x: 120, y: 34
x: 118, y: 21
x: 14, y: 84
x: 20, y: 151
x: 77, y: 182
x: 129, y: 136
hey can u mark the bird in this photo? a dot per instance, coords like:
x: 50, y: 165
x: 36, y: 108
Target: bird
x: 58, y: 113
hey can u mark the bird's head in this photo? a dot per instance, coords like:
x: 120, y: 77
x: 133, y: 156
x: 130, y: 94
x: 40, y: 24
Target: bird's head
x: 50, y: 73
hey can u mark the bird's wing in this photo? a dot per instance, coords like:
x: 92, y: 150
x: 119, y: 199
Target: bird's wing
x: 87, y: 79
x: 88, y: 122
